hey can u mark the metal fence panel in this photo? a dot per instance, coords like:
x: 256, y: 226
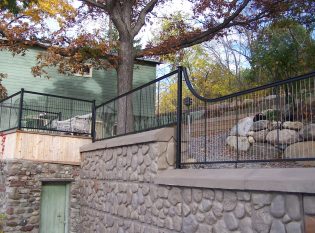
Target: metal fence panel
x: 150, y: 106
x: 32, y: 111
x: 9, y: 112
x: 271, y: 123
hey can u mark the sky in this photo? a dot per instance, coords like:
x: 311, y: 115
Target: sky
x: 183, y: 6
x: 146, y: 33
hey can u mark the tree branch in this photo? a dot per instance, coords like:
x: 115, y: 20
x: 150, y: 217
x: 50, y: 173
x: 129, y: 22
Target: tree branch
x: 197, y: 38
x: 115, y: 14
x: 126, y: 15
x: 141, y: 19
x: 95, y: 3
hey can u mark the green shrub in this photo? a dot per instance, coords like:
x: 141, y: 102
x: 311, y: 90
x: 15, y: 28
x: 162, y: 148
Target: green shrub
x: 273, y: 115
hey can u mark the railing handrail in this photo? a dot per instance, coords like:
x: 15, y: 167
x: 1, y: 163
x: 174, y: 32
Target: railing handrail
x: 6, y: 98
x: 58, y: 96
x: 45, y: 94
x: 22, y: 106
x: 220, y: 142
x: 240, y: 93
x: 140, y: 87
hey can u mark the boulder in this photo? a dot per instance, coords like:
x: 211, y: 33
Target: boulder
x: 308, y: 132
x: 263, y: 150
x: 247, y: 103
x: 260, y: 125
x: 300, y: 150
x: 270, y: 97
x: 295, y: 125
x: 250, y: 133
x: 260, y: 136
x: 243, y: 144
x: 243, y: 125
x: 286, y: 136
x: 251, y: 139
x: 259, y: 117
x: 275, y: 125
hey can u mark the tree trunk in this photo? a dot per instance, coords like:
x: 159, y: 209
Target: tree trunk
x: 124, y: 84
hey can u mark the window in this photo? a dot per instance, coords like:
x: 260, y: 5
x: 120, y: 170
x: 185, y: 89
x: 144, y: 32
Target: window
x: 85, y: 71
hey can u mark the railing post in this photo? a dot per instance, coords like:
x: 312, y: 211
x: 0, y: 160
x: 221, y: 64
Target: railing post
x: 140, y: 118
x: 205, y: 131
x: 237, y: 133
x: 179, y: 117
x: 21, y: 109
x: 93, y: 133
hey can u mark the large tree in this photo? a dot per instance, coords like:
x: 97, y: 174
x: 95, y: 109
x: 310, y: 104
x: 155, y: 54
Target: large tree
x: 281, y: 50
x: 212, y: 18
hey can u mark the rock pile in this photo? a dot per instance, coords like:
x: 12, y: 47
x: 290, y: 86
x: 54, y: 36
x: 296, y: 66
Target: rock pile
x: 272, y: 139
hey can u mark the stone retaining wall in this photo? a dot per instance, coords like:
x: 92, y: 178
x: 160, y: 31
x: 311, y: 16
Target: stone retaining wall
x: 2, y: 196
x: 20, y: 204
x: 120, y: 193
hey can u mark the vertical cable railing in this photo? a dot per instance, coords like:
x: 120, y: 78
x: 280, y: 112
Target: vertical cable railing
x: 38, y: 112
x: 9, y: 112
x: 268, y: 124
x: 149, y: 106
x: 271, y: 123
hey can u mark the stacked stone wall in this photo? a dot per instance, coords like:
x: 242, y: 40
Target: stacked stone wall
x: 119, y: 194
x: 21, y: 193
x: 2, y: 196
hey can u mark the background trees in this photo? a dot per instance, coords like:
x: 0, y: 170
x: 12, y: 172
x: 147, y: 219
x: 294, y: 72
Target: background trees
x: 281, y: 50
x: 275, y: 52
x: 71, y: 40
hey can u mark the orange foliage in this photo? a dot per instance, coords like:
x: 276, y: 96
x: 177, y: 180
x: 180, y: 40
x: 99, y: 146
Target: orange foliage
x: 212, y: 18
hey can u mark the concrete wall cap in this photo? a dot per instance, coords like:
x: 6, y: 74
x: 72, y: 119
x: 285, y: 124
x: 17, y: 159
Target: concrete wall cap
x: 293, y: 180
x: 157, y: 135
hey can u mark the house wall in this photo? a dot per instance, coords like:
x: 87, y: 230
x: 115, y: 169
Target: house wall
x: 128, y: 184
x: 20, y: 198
x: 101, y: 87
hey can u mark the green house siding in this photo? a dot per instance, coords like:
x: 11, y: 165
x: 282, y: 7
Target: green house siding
x: 101, y: 87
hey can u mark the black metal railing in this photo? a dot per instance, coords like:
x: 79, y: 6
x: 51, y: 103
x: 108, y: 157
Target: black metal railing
x: 9, y: 112
x: 38, y: 112
x: 143, y: 108
x: 271, y: 123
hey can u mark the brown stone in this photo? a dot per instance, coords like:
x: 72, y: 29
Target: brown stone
x: 17, y: 183
x: 20, y: 211
x: 27, y: 228
x: 309, y: 224
x: 12, y: 224
x: 10, y: 211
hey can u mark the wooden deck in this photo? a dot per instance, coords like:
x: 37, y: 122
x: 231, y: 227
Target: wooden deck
x: 43, y: 147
